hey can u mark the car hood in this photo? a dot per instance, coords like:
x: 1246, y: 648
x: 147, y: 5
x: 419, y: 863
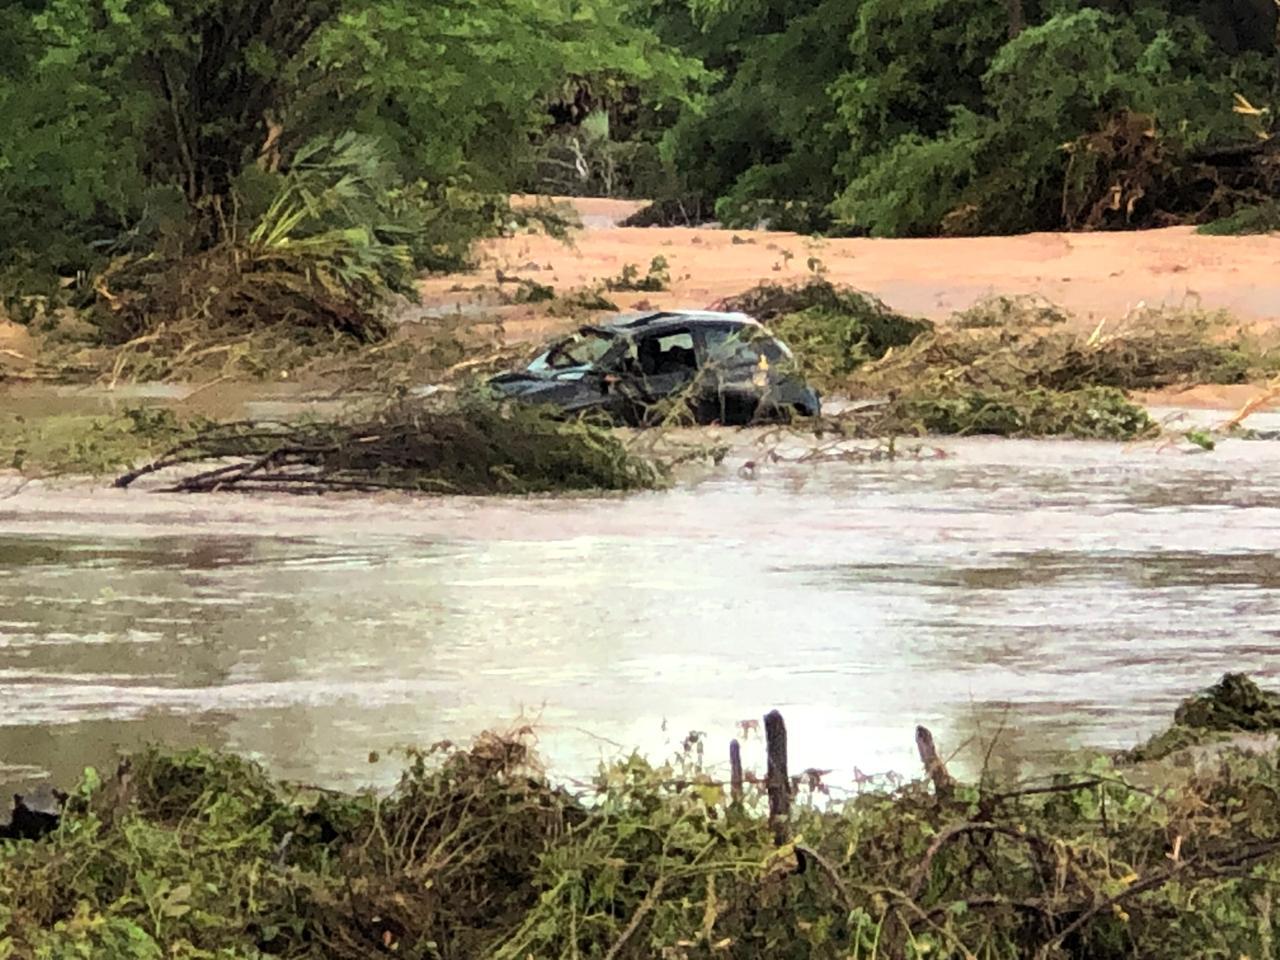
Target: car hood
x: 540, y: 389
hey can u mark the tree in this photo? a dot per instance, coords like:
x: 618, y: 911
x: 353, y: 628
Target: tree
x: 140, y: 122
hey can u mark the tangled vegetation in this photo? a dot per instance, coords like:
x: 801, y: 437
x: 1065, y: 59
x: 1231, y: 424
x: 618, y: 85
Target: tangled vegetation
x: 468, y: 446
x: 1008, y: 365
x: 1150, y: 349
x: 1088, y: 413
x: 1234, y: 705
x: 476, y: 854
x: 833, y: 330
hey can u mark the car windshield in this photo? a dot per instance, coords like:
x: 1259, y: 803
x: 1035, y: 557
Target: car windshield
x: 581, y: 350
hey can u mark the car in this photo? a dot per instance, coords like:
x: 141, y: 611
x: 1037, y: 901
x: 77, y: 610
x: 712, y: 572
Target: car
x: 727, y: 366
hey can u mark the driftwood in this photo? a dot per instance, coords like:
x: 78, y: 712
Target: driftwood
x: 944, y: 786
x: 777, y: 783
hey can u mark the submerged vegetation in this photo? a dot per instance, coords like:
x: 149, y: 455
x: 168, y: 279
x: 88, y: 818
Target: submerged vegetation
x: 477, y: 854
x: 88, y: 444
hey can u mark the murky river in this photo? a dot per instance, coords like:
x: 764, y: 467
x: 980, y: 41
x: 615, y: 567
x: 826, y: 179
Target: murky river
x: 1064, y: 593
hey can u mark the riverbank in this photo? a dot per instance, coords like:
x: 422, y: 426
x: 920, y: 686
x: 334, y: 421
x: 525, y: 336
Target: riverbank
x: 487, y: 314
x: 476, y: 852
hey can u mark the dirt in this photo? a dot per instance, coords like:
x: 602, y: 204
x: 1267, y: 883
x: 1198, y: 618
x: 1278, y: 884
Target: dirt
x: 17, y: 348
x: 1095, y: 276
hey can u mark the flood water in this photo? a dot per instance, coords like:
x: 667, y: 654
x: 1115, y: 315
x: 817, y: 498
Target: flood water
x: 1062, y: 595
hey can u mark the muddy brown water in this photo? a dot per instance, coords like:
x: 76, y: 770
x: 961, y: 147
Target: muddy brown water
x: 1060, y: 594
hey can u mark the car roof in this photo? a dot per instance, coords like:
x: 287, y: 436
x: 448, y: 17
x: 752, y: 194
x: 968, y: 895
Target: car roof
x: 629, y: 324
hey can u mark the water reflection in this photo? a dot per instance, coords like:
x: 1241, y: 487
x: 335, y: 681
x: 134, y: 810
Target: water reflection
x: 1065, y: 594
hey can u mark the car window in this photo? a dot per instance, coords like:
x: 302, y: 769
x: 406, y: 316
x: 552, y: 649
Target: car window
x: 741, y: 346
x: 670, y: 352
x: 581, y: 350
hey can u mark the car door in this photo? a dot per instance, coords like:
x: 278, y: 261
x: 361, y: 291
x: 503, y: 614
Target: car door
x: 667, y: 362
x: 741, y: 368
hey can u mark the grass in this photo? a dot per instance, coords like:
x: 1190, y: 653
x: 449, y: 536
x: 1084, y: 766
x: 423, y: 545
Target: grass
x: 87, y: 444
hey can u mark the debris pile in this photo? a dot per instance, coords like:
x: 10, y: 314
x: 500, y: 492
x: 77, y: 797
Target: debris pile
x: 477, y: 854
x: 462, y: 445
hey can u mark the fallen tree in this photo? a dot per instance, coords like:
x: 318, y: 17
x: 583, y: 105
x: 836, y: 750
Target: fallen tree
x: 465, y: 445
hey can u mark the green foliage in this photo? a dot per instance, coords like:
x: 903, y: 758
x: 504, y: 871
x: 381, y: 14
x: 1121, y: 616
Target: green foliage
x: 1259, y: 218
x: 1000, y: 165
x: 938, y: 116
x: 657, y: 278
x: 1098, y: 413
x: 832, y: 330
x: 80, y: 444
x: 475, y: 854
x: 145, y: 127
x: 766, y: 131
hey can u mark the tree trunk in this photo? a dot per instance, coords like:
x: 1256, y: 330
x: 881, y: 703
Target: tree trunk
x: 1017, y: 17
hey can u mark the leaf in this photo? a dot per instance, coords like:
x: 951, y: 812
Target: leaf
x: 175, y: 902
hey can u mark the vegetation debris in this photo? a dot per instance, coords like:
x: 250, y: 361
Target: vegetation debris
x: 1095, y: 413
x: 833, y: 330
x: 466, y: 445
x: 1235, y: 704
x: 658, y: 277
x: 1017, y: 366
x: 1019, y: 310
x: 476, y: 853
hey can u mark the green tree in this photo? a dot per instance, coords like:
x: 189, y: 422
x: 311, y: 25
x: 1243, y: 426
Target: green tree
x: 132, y: 114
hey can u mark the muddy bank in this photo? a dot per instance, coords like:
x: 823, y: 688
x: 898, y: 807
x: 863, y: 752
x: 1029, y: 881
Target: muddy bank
x: 1093, y: 275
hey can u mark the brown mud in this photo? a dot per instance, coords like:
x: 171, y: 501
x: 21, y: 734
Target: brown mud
x: 1093, y: 276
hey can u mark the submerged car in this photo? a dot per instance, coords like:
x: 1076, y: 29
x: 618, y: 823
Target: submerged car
x: 726, y: 366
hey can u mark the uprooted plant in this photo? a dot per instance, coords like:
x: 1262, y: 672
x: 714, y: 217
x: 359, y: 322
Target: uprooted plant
x: 475, y: 853
x: 463, y: 445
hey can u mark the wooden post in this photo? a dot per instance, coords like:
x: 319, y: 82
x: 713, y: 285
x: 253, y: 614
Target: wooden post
x: 944, y: 787
x: 776, y: 779
x: 1017, y: 18
x: 735, y: 771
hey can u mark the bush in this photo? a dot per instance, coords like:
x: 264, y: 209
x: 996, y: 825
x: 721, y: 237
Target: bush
x: 1257, y: 218
x: 475, y: 853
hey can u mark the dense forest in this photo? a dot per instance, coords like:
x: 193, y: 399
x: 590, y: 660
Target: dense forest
x: 358, y: 142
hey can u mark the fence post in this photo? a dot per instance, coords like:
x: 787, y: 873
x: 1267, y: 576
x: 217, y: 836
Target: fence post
x: 944, y: 787
x: 735, y: 771
x: 776, y: 779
